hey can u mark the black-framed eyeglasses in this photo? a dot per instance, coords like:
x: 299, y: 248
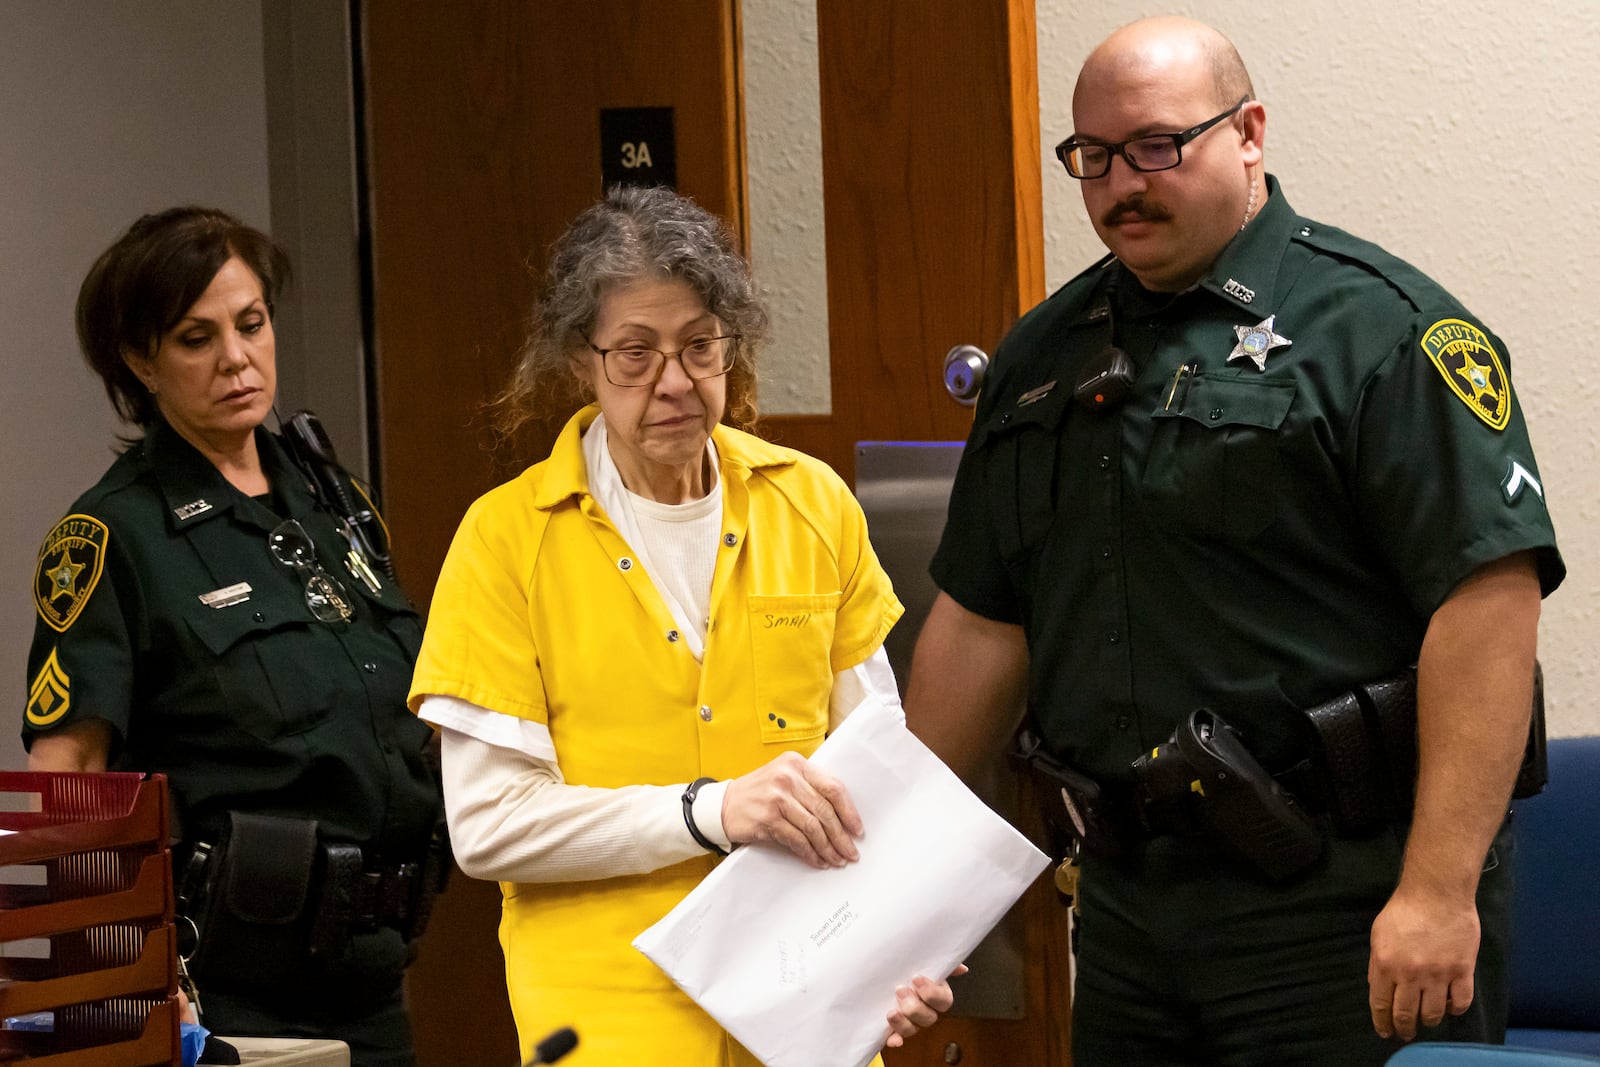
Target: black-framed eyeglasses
x: 709, y: 357
x: 1085, y: 160
x: 325, y: 597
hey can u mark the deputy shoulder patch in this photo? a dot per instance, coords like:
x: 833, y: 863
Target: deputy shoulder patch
x: 1471, y: 368
x: 70, y: 562
x: 50, y: 695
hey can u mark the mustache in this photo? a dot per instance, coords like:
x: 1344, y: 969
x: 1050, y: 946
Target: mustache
x: 1136, y: 208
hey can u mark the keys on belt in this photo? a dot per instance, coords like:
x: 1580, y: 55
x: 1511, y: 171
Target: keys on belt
x: 1068, y: 874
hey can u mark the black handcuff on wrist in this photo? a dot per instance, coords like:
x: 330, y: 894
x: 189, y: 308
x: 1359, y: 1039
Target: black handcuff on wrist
x: 688, y: 817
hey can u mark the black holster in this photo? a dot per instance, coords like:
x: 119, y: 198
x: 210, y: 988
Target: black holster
x: 1204, y: 782
x: 1201, y: 783
x: 1360, y: 773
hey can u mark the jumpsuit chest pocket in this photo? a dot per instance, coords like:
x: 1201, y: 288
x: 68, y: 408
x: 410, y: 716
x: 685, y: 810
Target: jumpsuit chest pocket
x: 791, y: 639
x: 1214, y: 466
x: 271, y: 666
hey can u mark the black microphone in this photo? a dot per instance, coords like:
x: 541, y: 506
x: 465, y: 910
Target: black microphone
x: 554, y: 1047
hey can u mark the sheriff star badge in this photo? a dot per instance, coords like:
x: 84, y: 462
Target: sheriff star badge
x: 1256, y: 341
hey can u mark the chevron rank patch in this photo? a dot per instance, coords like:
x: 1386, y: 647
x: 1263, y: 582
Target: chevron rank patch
x: 50, y: 695
x: 1516, y: 480
x: 70, y: 563
x: 1471, y: 368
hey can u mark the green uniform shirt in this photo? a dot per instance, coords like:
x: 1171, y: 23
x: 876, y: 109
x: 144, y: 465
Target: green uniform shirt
x: 162, y: 611
x: 1250, y: 540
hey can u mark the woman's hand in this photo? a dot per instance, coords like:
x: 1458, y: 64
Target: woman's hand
x: 793, y: 804
x: 918, y: 1006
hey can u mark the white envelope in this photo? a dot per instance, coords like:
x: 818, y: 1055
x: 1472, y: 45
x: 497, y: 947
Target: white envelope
x: 800, y: 964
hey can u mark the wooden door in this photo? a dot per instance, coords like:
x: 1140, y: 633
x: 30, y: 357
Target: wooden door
x: 931, y: 195
x: 483, y: 139
x: 483, y: 142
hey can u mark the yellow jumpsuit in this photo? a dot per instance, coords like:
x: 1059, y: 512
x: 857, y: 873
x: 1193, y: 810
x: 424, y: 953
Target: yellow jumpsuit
x: 542, y: 611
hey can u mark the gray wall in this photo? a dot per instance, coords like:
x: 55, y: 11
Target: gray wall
x: 113, y: 108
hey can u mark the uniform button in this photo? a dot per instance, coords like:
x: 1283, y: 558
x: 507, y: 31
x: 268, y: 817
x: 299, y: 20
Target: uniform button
x: 1006, y: 418
x: 1123, y: 722
x: 705, y: 712
x: 1216, y: 413
x: 1305, y: 231
x: 1105, y: 552
x: 730, y: 539
x: 370, y: 667
x: 1113, y: 637
x: 259, y: 617
x: 672, y: 635
x: 1105, y: 462
x: 624, y: 564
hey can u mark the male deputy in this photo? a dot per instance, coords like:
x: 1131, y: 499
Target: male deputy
x: 1309, y: 473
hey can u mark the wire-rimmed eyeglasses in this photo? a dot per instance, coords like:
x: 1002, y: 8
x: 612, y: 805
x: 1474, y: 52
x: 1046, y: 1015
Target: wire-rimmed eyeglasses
x: 709, y: 357
x: 1086, y: 160
x: 325, y: 597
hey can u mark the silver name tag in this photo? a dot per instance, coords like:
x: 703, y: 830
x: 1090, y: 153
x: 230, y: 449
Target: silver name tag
x: 226, y: 596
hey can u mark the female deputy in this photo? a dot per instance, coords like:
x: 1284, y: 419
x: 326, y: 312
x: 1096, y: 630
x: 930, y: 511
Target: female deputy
x: 201, y: 614
x: 634, y: 645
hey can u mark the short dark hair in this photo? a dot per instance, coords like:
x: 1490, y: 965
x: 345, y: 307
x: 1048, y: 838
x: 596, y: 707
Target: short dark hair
x: 144, y: 284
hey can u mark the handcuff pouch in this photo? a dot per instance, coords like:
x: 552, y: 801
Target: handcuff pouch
x: 253, y: 914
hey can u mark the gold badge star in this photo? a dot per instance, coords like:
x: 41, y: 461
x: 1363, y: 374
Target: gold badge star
x: 1477, y: 376
x: 65, y: 576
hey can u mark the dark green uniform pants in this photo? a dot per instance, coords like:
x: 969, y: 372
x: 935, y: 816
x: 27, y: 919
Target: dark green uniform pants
x: 1183, y: 959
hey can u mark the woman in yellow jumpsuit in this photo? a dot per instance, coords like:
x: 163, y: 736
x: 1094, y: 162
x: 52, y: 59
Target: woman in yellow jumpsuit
x: 634, y: 645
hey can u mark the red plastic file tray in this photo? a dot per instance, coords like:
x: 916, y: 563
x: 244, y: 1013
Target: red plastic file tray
x: 85, y: 870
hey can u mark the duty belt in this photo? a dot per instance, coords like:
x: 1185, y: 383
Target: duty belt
x: 1357, y: 775
x: 356, y: 898
x: 271, y: 896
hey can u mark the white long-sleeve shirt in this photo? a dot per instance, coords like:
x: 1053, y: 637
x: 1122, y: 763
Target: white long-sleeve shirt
x: 512, y: 815
x: 513, y: 818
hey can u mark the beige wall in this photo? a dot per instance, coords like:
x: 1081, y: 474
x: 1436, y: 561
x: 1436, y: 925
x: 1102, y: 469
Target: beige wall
x: 1458, y: 134
x: 783, y: 145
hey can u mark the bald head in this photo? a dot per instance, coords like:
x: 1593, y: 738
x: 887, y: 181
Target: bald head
x: 1157, y: 79
x: 1167, y: 47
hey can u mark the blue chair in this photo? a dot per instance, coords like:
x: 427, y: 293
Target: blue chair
x: 1555, y: 914
x: 1451, y: 1054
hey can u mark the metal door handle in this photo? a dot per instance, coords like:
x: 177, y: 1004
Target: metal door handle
x: 964, y: 370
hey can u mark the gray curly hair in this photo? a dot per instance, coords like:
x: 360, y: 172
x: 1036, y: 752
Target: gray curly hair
x: 635, y: 233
